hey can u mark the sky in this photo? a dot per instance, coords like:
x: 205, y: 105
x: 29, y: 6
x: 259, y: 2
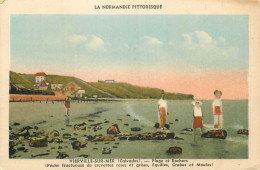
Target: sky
x: 192, y: 54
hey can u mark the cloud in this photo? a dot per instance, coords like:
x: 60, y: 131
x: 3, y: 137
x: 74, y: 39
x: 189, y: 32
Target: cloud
x: 152, y: 41
x: 75, y: 38
x: 203, y: 37
x: 95, y: 42
x: 201, y: 49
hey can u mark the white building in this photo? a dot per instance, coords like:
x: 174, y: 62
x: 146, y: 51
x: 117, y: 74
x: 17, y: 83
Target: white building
x: 39, y: 77
x: 110, y: 81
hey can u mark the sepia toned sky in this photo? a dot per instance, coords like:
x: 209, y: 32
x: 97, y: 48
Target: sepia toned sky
x: 178, y: 53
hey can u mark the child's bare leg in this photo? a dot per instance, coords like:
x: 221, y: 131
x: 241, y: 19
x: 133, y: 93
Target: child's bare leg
x: 220, y: 121
x: 215, y: 121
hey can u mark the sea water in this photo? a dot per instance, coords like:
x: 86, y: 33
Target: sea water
x: 235, y: 115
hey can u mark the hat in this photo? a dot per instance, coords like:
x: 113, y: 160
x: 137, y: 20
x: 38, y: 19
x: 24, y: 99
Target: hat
x: 196, y: 101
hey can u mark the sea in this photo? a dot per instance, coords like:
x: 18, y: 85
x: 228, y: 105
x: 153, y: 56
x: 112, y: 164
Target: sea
x: 128, y: 114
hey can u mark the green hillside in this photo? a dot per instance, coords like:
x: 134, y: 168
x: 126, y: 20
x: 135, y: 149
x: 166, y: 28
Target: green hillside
x: 101, y: 89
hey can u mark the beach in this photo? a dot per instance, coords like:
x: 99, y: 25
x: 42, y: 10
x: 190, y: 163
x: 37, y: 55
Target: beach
x: 128, y: 114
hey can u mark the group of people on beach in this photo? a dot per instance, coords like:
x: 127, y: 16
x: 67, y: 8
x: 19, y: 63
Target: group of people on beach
x: 197, y: 112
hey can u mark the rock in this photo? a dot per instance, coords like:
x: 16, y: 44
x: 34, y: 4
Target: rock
x: 54, y: 134
x: 176, y: 120
x: 60, y: 147
x: 106, y: 151
x: 122, y: 138
x: 113, y: 129
x: 96, y: 127
x: 73, y: 139
x: 170, y: 135
x: 243, y: 132
x: 187, y: 130
x: 83, y: 155
x: 152, y: 136
x: 135, y: 120
x: 174, y: 150
x: 80, y: 126
x: 114, y: 146
x: 11, y: 148
x: 106, y: 121
x: 126, y: 124
x: 16, y: 124
x: 157, y: 125
x: 103, y: 138
x: 13, y: 136
x: 38, y: 141
x: 136, y: 129
x: 25, y: 133
x: 77, y: 145
x: 27, y: 128
x: 44, y: 121
x: 62, y: 155
x: 127, y: 114
x: 66, y: 135
x: 220, y: 134
x: 178, y: 138
x: 57, y: 140
x: 42, y: 154
x: 20, y: 148
x: 91, y: 137
x: 96, y: 124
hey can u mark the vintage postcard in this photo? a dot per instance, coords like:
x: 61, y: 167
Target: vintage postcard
x: 156, y: 88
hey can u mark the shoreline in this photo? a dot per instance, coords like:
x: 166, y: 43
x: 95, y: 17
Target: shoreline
x: 34, y: 98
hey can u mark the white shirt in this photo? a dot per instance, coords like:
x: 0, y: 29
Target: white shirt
x: 197, y: 111
x: 217, y: 102
x: 162, y: 103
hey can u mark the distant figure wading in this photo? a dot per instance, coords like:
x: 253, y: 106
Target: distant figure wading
x: 67, y: 107
x: 162, y: 107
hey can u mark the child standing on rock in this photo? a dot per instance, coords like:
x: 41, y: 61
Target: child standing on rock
x: 67, y: 107
x: 197, y: 114
x: 217, y: 110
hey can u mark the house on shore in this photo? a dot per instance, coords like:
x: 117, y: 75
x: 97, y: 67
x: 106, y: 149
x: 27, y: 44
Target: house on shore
x: 70, y: 89
x: 56, y: 86
x: 81, y: 92
x: 40, y: 81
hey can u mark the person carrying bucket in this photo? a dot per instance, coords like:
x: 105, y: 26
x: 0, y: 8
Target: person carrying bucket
x: 162, y: 108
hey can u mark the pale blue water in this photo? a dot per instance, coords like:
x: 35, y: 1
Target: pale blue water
x: 235, y: 114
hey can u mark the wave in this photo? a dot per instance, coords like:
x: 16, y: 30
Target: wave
x: 142, y: 120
